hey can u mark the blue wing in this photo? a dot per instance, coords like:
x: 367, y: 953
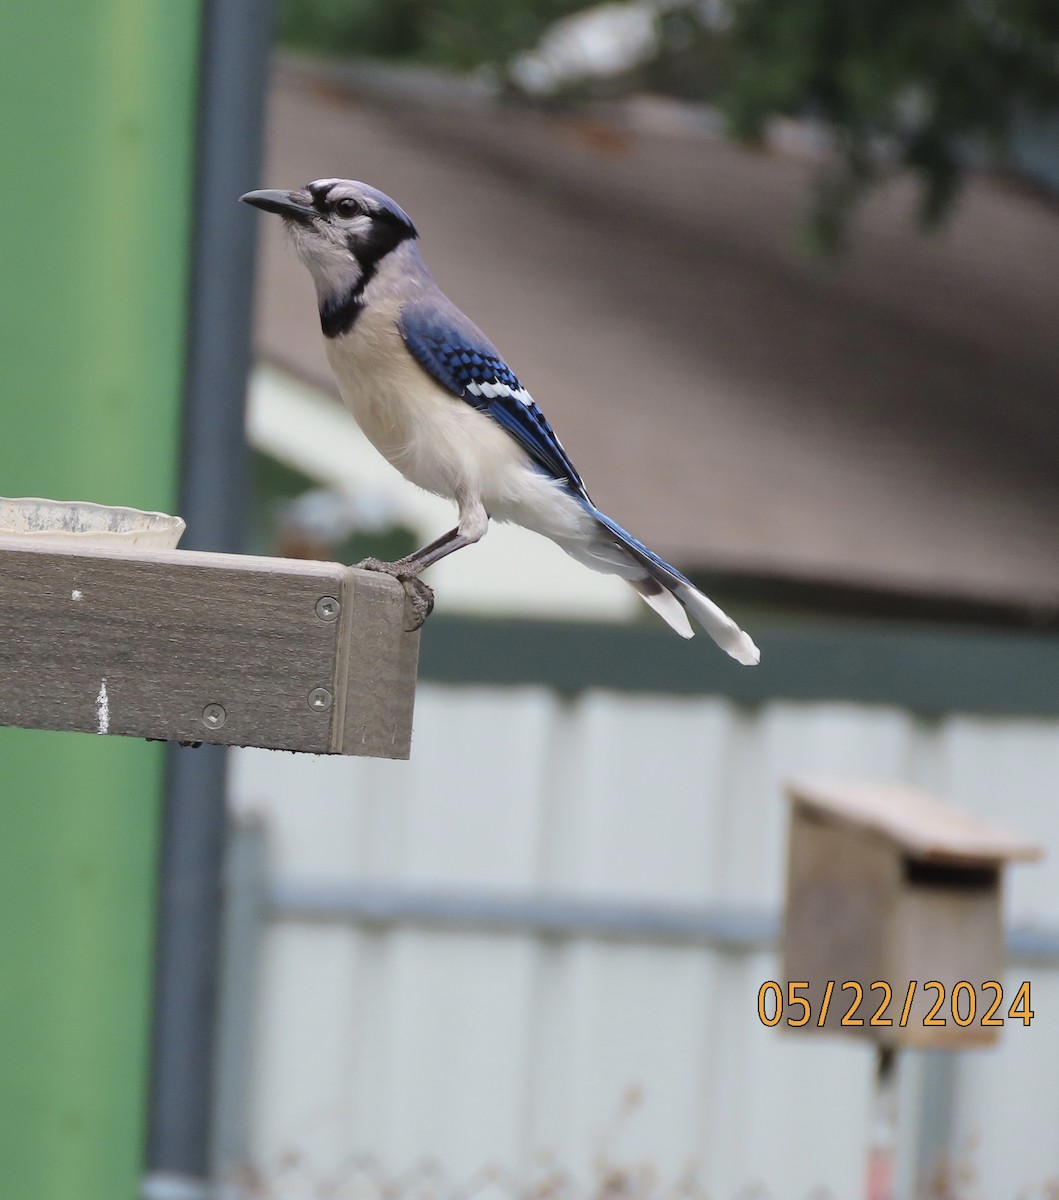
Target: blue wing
x: 451, y: 348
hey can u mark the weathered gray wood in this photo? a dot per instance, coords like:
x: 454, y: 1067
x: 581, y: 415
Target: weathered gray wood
x: 378, y: 655
x: 841, y: 885
x: 143, y: 642
x: 925, y: 826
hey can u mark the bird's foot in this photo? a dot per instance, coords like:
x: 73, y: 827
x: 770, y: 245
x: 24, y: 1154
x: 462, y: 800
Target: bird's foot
x: 420, y: 595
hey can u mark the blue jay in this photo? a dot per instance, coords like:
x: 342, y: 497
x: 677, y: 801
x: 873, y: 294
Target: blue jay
x: 434, y: 396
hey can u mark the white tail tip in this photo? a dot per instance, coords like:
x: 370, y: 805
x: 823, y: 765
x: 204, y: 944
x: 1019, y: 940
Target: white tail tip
x: 724, y: 631
x: 743, y: 650
x: 667, y: 606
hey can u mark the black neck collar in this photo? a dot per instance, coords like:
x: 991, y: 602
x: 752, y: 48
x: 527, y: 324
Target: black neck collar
x: 338, y: 314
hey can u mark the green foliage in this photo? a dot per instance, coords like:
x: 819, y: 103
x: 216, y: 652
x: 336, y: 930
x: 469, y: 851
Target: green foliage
x: 901, y: 83
x: 454, y: 33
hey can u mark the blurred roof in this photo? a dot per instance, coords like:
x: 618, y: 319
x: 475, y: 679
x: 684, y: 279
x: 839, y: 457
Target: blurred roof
x: 889, y: 424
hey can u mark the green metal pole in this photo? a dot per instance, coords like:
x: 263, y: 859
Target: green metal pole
x: 99, y: 118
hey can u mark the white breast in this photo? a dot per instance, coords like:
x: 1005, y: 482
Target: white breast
x: 436, y: 440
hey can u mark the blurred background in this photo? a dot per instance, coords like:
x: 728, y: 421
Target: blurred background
x: 784, y: 276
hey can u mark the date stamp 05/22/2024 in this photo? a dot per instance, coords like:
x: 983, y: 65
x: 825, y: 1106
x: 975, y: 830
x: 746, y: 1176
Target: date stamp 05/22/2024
x: 883, y: 1005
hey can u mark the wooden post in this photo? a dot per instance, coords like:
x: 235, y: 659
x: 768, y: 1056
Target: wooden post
x: 883, y: 1148
x: 194, y: 647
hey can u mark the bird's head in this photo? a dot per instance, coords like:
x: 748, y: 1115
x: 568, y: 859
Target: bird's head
x: 340, y: 229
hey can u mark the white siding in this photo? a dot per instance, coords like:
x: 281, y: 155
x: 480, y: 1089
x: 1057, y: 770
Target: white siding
x: 490, y: 1048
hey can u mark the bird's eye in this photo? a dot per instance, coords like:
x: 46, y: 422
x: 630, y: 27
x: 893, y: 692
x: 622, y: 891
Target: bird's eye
x: 347, y: 208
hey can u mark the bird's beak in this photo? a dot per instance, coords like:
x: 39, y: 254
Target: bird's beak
x: 275, y: 201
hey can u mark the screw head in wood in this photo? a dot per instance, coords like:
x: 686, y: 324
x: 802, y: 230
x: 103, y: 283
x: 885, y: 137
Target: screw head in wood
x: 214, y: 716
x: 320, y: 700
x: 328, y: 608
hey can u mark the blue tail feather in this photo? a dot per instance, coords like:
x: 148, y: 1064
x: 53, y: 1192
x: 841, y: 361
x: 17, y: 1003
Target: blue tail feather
x: 657, y: 567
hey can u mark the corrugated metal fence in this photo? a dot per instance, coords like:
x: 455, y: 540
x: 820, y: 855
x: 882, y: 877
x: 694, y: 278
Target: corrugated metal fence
x: 538, y: 946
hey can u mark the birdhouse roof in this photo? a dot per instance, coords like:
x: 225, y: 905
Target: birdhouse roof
x: 921, y: 825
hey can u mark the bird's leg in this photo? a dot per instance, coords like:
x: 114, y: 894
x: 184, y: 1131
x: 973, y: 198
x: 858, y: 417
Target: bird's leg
x: 407, y: 569
x: 473, y: 523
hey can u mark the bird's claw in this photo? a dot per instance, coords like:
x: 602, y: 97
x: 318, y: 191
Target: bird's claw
x: 420, y: 595
x: 421, y: 598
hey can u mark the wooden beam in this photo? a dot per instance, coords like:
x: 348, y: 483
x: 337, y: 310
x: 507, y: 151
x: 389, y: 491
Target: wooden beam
x: 194, y: 647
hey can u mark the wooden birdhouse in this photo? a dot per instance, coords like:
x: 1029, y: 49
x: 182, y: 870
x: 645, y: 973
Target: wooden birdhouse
x: 893, y: 917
